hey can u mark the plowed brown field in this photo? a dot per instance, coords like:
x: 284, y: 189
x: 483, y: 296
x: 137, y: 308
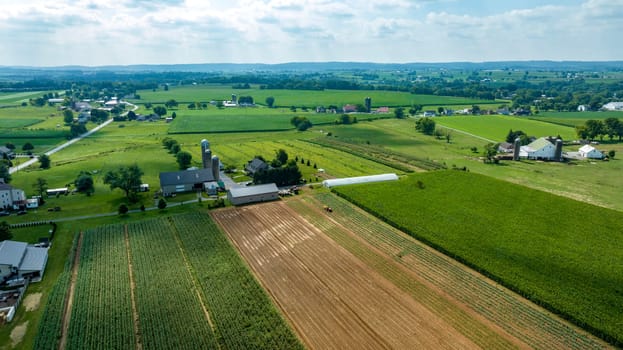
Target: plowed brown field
x: 339, y: 291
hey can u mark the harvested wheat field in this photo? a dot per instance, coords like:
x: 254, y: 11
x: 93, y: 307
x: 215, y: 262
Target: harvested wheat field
x: 340, y: 292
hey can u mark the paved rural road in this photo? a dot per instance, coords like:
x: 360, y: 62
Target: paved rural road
x: 66, y: 144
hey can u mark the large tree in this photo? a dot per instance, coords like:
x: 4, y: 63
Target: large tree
x: 270, y: 101
x: 171, y: 104
x: 282, y: 156
x: 28, y: 147
x: 68, y: 116
x: 84, y: 183
x: 160, y: 111
x: 5, y: 231
x: 183, y: 159
x: 40, y: 186
x: 399, y: 113
x: 425, y: 126
x: 4, y: 171
x: 44, y: 161
x: 611, y: 127
x: 126, y: 178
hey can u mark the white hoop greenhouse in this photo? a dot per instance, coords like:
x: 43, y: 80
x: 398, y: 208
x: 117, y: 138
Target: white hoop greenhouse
x: 359, y: 180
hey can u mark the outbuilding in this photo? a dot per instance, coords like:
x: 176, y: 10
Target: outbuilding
x: 590, y: 152
x: 253, y: 194
x: 18, y: 259
x: 359, y: 180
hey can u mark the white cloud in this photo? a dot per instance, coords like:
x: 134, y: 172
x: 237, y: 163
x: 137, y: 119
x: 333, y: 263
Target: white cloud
x: 98, y: 32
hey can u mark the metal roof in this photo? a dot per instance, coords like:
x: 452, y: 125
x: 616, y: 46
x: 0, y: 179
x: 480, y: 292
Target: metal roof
x: 186, y: 177
x: 12, y: 252
x: 34, y: 259
x: 253, y: 190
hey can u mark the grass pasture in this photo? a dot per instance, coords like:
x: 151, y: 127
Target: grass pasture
x: 12, y: 98
x: 496, y: 127
x: 299, y: 98
x: 530, y: 241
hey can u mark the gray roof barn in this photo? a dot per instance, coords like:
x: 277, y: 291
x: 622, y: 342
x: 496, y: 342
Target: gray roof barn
x: 12, y: 252
x: 185, y: 180
x: 21, y: 258
x: 253, y: 194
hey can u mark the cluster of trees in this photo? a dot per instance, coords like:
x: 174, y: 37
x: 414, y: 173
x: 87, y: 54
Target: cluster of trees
x: 197, y: 105
x: 425, y: 125
x: 301, y: 123
x: 346, y: 119
x: 592, y: 129
x: 513, y: 135
x: 183, y: 158
x: 282, y: 171
x: 248, y: 100
x: 127, y: 179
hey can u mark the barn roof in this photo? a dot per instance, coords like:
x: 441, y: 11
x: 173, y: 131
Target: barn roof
x: 12, y: 252
x: 539, y: 144
x: 253, y: 190
x: 186, y: 177
x: 34, y: 259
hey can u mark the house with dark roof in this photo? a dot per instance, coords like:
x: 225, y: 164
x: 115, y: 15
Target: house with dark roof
x: 349, y: 108
x: 253, y: 194
x: 5, y: 151
x: 255, y: 165
x: 21, y: 260
x: 185, y: 181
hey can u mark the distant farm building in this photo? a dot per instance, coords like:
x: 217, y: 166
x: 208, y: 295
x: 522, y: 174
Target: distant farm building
x: 359, y: 180
x: 21, y: 260
x: 5, y: 151
x: 613, y: 106
x: 253, y: 194
x: 349, y: 109
x: 192, y: 179
x: 542, y: 149
x: 429, y: 113
x: 255, y: 165
x: 590, y: 152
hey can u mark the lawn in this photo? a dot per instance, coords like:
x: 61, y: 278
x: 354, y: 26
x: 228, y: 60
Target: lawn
x: 526, y: 239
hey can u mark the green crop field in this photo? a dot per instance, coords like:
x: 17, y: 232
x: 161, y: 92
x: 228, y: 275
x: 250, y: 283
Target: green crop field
x: 573, y: 119
x: 496, y: 127
x: 15, y: 97
x: 214, y: 120
x: 299, y: 98
x: 182, y: 300
x: 536, y: 243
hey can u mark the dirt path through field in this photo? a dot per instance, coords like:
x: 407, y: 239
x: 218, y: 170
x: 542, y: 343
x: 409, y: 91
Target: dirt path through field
x: 70, y: 294
x: 333, y: 299
x: 135, y: 318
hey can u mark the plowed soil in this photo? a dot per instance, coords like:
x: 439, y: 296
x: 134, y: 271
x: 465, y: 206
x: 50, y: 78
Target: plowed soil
x: 332, y: 299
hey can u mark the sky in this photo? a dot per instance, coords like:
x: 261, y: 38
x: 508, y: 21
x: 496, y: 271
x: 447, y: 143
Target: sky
x: 126, y: 32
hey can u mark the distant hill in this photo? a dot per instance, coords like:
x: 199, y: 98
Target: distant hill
x: 324, y: 66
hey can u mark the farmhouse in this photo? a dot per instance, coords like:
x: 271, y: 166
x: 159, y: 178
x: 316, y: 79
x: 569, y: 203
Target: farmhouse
x: 590, y: 152
x: 11, y: 197
x: 5, y: 151
x: 429, y: 113
x: 253, y: 194
x: 542, y: 149
x: 359, y: 180
x: 21, y: 260
x: 255, y: 165
x: 349, y: 109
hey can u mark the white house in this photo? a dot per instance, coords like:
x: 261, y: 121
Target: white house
x: 540, y: 148
x: 11, y: 197
x: 588, y: 151
x: 613, y: 106
x: 20, y: 260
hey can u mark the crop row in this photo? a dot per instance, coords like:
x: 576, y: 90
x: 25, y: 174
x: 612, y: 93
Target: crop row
x: 243, y: 315
x: 101, y: 316
x: 170, y: 312
x: 50, y: 325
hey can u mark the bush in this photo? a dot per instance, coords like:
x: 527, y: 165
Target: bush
x: 123, y: 209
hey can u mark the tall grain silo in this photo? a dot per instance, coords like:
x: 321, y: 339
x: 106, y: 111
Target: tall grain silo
x: 368, y: 102
x: 216, y: 167
x: 558, y: 152
x: 516, y: 149
x: 206, y: 154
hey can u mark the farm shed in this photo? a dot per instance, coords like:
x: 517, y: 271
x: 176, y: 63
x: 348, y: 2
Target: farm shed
x: 185, y: 180
x: 21, y: 260
x: 588, y: 151
x: 253, y: 194
x: 359, y: 180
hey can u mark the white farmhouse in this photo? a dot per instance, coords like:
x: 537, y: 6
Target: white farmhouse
x: 590, y: 152
x: 540, y: 148
x: 11, y: 197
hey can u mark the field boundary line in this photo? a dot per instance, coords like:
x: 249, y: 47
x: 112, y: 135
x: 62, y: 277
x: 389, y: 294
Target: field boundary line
x: 70, y: 295
x: 466, y: 133
x: 193, y: 278
x: 136, y: 323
